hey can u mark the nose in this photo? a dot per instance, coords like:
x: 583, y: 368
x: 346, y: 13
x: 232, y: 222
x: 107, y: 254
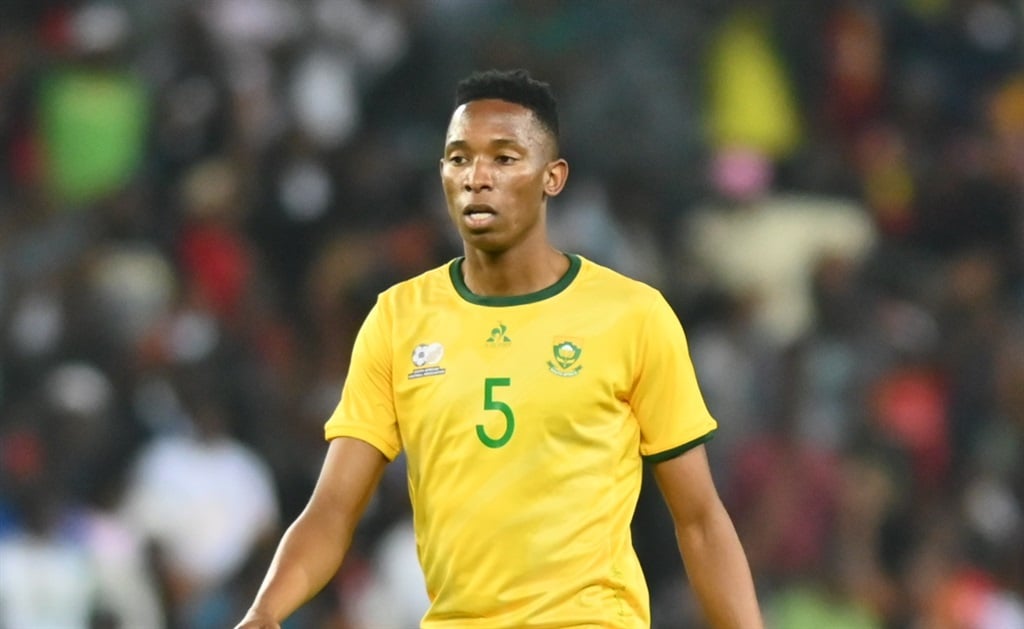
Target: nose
x: 478, y: 177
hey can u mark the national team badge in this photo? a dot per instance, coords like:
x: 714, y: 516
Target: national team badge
x: 566, y: 359
x: 425, y: 358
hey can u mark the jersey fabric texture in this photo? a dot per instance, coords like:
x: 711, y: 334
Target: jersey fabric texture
x: 525, y: 422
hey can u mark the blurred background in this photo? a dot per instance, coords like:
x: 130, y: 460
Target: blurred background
x: 199, y: 201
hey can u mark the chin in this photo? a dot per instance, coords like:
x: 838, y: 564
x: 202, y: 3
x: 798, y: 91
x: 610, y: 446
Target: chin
x: 484, y: 242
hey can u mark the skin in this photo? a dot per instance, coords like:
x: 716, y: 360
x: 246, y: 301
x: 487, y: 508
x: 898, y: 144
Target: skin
x: 715, y: 562
x: 499, y: 168
x: 313, y: 547
x: 499, y: 160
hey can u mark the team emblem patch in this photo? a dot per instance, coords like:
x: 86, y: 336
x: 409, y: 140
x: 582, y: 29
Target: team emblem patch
x: 565, y: 362
x: 425, y: 358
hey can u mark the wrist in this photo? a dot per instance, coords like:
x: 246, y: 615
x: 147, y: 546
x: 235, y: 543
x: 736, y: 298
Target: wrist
x: 257, y: 618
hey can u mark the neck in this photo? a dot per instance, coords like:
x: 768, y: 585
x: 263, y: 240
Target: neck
x: 512, y: 273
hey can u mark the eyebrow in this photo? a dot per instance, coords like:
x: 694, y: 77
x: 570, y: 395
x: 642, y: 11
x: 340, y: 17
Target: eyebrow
x: 497, y: 143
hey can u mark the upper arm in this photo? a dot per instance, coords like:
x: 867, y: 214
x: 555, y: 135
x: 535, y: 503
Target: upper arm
x: 687, y: 486
x: 351, y: 471
x: 665, y: 396
x: 366, y: 410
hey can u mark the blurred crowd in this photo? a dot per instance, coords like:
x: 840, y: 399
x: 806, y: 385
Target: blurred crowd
x: 200, y: 200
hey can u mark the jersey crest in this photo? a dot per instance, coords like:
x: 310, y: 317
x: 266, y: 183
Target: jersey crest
x: 566, y: 355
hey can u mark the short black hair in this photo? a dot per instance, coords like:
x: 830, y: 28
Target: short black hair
x: 514, y: 86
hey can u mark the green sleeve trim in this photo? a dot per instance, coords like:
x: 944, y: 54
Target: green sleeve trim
x: 661, y: 457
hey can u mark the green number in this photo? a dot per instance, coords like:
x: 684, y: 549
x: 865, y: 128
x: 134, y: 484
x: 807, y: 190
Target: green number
x: 490, y: 404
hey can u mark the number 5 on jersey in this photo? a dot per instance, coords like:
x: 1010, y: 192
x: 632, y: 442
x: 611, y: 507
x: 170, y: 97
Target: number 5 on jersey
x: 492, y: 404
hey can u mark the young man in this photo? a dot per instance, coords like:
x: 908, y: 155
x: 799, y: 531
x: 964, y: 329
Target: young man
x: 527, y: 388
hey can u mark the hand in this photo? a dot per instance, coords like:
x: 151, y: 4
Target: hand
x: 256, y: 620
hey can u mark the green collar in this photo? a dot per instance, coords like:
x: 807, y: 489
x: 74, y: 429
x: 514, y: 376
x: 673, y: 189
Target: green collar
x: 455, y: 271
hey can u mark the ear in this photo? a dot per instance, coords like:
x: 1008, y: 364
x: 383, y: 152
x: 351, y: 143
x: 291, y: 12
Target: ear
x: 555, y: 175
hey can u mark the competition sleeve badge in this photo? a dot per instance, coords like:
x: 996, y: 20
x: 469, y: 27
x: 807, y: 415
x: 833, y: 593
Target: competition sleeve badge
x: 425, y: 359
x: 566, y: 355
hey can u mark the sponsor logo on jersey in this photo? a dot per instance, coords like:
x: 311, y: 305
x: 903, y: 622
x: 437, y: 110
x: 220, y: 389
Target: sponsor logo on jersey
x: 498, y: 338
x: 425, y: 358
x: 566, y: 356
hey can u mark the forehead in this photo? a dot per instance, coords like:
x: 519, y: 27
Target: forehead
x: 493, y: 119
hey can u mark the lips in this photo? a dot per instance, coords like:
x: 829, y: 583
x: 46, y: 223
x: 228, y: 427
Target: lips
x: 478, y: 208
x: 478, y: 214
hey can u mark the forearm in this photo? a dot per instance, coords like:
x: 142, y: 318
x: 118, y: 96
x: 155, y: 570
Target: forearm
x: 313, y: 547
x: 308, y: 556
x: 718, y: 571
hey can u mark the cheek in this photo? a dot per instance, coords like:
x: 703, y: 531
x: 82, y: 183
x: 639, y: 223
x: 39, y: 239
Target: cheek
x: 531, y: 189
x: 449, y: 186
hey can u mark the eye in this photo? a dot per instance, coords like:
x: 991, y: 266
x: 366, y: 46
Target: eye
x: 506, y: 159
x: 457, y: 160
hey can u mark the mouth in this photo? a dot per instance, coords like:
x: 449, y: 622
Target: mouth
x: 478, y: 214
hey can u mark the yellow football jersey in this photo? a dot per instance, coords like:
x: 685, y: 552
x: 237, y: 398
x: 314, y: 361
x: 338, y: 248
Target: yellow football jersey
x: 525, y: 421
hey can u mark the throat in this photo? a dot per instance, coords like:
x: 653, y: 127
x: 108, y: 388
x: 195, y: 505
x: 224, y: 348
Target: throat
x: 502, y: 277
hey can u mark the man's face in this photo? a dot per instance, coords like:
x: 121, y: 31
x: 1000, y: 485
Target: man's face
x: 498, y: 168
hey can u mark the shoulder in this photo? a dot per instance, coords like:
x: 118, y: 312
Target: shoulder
x: 616, y: 287
x: 426, y: 286
x: 625, y: 302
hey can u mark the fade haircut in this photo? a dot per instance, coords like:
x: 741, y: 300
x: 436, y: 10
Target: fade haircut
x: 513, y: 86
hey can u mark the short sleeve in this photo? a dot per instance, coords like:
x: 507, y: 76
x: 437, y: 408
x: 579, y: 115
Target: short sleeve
x: 367, y: 409
x: 665, y: 398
